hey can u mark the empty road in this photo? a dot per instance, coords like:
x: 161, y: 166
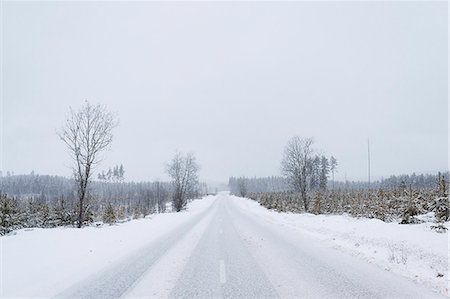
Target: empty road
x: 224, y: 252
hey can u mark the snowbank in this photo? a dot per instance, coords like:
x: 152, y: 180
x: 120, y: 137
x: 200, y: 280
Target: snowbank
x: 414, y: 251
x: 43, y: 262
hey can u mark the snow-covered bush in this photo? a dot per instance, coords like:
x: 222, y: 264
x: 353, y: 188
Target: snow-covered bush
x: 62, y: 214
x: 440, y: 207
x: 9, y: 214
x: 109, y: 215
x: 408, y: 215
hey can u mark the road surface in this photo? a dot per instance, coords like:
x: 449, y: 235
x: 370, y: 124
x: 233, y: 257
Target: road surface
x: 224, y: 252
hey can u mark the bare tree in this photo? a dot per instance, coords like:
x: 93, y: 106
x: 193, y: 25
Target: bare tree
x: 184, y: 173
x: 296, y: 166
x: 86, y: 133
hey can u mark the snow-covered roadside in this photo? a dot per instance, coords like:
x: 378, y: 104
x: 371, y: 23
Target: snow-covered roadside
x: 413, y: 251
x: 43, y: 262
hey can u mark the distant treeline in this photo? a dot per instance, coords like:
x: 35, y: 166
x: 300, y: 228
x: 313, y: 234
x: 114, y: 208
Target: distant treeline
x: 50, y: 188
x: 239, y: 185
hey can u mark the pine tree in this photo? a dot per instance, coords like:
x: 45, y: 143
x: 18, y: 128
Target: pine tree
x: 440, y: 205
x: 122, y: 213
x: 324, y: 170
x: 44, y: 215
x: 317, y: 207
x: 9, y: 214
x: 136, y: 212
x: 61, y: 214
x: 116, y: 173
x: 109, y: 215
x: 121, y: 173
x: 31, y: 213
x: 315, y: 173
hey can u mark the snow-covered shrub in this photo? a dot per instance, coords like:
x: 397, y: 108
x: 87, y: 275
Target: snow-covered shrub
x: 317, y: 205
x: 121, y: 213
x: 440, y: 207
x: 109, y: 215
x: 61, y: 213
x: 409, y: 214
x: 9, y: 214
x: 44, y: 216
x: 137, y: 213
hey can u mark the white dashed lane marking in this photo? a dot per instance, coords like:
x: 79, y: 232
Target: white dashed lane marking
x: 222, y: 272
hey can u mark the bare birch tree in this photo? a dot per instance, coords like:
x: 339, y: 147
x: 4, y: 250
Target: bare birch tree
x: 86, y: 133
x: 183, y: 171
x: 296, y: 166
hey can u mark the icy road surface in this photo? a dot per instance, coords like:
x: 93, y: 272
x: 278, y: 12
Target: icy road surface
x: 225, y: 252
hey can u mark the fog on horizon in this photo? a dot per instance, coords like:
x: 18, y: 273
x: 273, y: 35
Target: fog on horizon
x: 230, y: 82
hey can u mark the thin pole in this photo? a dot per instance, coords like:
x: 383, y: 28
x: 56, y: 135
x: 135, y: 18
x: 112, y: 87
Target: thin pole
x: 368, y: 160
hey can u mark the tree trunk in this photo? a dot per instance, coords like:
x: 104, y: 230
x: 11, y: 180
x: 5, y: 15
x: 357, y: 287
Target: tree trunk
x: 80, y: 214
x: 80, y: 210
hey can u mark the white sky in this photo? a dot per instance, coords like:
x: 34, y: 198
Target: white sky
x: 229, y: 81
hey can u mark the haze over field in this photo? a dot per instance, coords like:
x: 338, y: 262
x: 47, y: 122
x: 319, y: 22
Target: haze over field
x: 231, y: 82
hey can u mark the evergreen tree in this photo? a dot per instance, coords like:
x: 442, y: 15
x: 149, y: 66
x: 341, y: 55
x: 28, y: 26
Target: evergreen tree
x: 31, y: 213
x: 44, y: 214
x: 109, y: 215
x: 122, y: 213
x: 440, y: 205
x: 121, y: 173
x: 61, y: 214
x: 116, y: 173
x: 324, y: 170
x: 9, y: 214
x: 315, y: 173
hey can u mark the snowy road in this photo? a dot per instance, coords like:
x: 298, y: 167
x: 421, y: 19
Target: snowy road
x: 224, y: 252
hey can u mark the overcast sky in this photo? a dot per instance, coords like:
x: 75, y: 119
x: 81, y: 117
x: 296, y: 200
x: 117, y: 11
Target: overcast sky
x: 230, y: 82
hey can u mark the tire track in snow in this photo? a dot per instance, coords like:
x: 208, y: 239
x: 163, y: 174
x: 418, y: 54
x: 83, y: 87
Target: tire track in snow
x: 116, y: 279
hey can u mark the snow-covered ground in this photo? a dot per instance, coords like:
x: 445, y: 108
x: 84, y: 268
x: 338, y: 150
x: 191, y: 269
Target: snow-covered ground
x: 226, y: 246
x: 413, y: 251
x: 44, y: 262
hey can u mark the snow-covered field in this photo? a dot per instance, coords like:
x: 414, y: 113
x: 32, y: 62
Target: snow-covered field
x: 414, y: 251
x: 44, y: 262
